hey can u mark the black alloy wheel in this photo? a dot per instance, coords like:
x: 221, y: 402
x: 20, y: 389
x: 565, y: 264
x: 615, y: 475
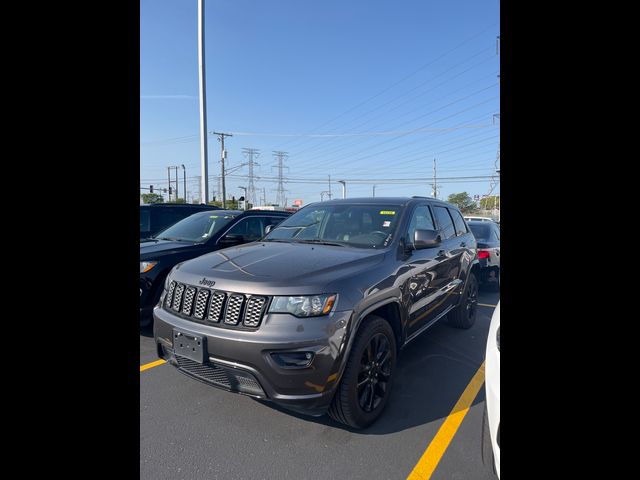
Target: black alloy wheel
x: 375, y: 372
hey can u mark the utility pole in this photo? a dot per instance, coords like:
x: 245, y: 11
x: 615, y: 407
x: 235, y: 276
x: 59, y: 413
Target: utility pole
x: 264, y: 196
x: 280, y: 198
x: 169, y: 180
x: 329, y: 193
x: 204, y: 166
x: 184, y: 179
x: 374, y: 191
x: 435, y: 185
x: 223, y: 154
x: 251, y: 191
x: 177, y: 195
x: 344, y: 188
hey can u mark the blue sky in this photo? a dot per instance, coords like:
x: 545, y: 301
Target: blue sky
x: 368, y: 91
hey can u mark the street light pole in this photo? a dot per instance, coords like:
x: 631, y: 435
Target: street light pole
x: 204, y: 166
x: 344, y: 188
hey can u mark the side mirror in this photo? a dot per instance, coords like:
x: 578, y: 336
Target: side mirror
x: 426, y: 239
x: 231, y: 240
x: 267, y: 229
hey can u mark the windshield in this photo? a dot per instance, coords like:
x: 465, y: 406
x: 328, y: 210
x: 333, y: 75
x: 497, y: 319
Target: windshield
x: 481, y: 232
x: 357, y: 225
x: 198, y: 227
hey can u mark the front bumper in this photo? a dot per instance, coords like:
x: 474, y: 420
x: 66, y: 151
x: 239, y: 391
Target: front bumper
x: 240, y: 360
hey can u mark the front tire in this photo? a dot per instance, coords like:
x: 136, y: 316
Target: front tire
x: 464, y: 315
x: 366, y: 383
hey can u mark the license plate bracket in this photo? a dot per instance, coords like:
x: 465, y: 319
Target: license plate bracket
x: 189, y: 345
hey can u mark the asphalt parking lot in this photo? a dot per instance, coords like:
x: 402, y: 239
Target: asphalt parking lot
x: 189, y: 430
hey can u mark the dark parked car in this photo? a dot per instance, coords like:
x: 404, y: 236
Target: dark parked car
x: 191, y: 237
x: 313, y: 316
x: 156, y: 217
x: 488, y: 237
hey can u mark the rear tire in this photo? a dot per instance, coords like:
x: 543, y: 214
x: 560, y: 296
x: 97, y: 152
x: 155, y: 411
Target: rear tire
x: 464, y: 315
x: 366, y: 383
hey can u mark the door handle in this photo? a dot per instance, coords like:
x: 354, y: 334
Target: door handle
x: 441, y: 253
x: 463, y: 244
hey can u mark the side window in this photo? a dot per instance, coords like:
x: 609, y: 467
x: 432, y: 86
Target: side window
x: 445, y: 223
x: 165, y: 217
x: 420, y: 219
x: 250, y: 229
x: 273, y: 221
x: 458, y: 221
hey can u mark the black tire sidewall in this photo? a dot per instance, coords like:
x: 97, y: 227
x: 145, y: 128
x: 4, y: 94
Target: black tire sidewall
x: 373, y: 326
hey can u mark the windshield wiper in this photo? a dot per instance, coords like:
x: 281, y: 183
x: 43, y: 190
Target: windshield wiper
x: 172, y: 239
x: 283, y: 240
x: 320, y: 242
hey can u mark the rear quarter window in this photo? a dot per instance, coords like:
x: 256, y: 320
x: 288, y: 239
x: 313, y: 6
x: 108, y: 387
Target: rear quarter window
x: 458, y: 221
x: 444, y: 221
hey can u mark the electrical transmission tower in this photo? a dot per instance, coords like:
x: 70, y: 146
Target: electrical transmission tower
x: 281, y: 157
x: 251, y: 153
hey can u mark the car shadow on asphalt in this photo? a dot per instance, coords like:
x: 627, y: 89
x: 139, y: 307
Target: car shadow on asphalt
x: 431, y: 374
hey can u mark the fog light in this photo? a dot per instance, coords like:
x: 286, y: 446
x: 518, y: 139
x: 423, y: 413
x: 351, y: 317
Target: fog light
x: 293, y: 359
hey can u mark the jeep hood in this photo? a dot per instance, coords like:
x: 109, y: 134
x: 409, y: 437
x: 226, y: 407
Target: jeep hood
x: 276, y: 268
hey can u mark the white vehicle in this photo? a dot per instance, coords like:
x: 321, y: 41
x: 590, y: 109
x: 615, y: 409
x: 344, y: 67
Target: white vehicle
x: 492, y: 386
x: 479, y: 219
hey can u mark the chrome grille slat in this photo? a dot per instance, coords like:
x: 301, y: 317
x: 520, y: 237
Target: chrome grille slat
x: 234, y: 309
x: 201, y: 303
x: 169, y: 299
x: 253, y: 311
x: 189, y: 294
x: 215, y: 308
x: 177, y: 297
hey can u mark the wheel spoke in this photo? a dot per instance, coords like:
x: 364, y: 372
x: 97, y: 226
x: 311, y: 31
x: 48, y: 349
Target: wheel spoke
x: 363, y: 383
x: 371, y: 396
x: 384, y: 358
x: 385, y: 376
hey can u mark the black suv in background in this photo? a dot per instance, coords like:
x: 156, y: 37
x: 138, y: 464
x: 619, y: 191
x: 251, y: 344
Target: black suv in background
x: 158, y: 216
x: 314, y: 315
x: 191, y: 237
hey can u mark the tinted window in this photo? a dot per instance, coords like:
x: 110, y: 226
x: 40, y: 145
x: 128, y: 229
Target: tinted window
x: 445, y: 223
x: 420, y: 219
x: 161, y: 218
x: 145, y: 220
x: 273, y: 220
x: 199, y: 227
x: 458, y: 221
x: 249, y: 228
x: 480, y: 231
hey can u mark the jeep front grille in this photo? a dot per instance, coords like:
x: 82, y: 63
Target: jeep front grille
x: 215, y: 306
x: 234, y: 309
x: 254, y: 310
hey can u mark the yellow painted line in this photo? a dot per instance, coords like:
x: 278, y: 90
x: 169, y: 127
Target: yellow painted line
x: 147, y: 366
x: 486, y: 305
x: 432, y: 455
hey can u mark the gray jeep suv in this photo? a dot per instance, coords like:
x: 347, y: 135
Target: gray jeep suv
x: 313, y: 316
